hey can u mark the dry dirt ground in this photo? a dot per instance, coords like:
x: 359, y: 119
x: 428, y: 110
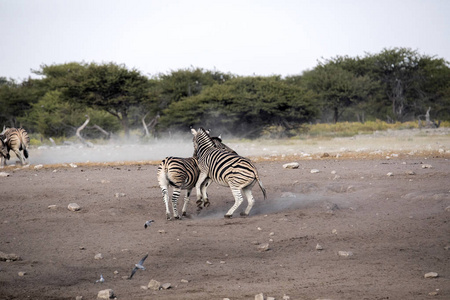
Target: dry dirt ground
x: 397, y: 229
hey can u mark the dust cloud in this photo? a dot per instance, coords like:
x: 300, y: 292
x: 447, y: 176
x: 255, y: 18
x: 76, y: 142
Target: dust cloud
x: 114, y: 152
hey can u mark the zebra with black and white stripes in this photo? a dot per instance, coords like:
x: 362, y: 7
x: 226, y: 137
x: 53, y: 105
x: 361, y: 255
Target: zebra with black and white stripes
x: 15, y: 139
x: 182, y: 174
x: 224, y: 168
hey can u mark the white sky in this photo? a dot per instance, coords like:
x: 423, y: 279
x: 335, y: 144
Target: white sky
x: 254, y: 37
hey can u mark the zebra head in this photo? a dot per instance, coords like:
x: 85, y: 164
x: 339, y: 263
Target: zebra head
x: 201, y: 140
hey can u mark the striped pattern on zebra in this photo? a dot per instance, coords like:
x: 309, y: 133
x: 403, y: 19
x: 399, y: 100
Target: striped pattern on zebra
x: 15, y: 139
x: 181, y: 174
x: 224, y: 168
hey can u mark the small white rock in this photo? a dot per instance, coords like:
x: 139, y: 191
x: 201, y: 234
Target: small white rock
x: 259, y: 297
x: 154, y: 285
x: 313, y: 171
x: 263, y: 247
x: 21, y: 274
x: 98, y: 256
x: 390, y: 174
x: 73, y: 207
x: 431, y: 275
x: 427, y: 166
x: 184, y: 280
x: 105, y: 294
x: 73, y: 165
x: 37, y: 167
x: 292, y: 165
x: 119, y: 195
x: 345, y: 253
x: 166, y: 286
x: 319, y: 247
x: 4, y: 174
x: 53, y: 206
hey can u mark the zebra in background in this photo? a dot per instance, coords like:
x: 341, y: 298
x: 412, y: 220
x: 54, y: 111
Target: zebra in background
x: 15, y: 139
x: 182, y: 174
x: 224, y: 168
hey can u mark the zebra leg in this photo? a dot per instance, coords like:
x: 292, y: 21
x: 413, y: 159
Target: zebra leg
x: 248, y: 194
x: 201, y: 178
x: 237, y: 201
x: 19, y: 156
x: 186, y: 202
x: 175, y: 195
x: 203, y: 191
x: 165, y: 192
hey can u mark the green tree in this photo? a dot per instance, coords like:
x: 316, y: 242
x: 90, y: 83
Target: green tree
x: 244, y: 106
x: 16, y: 99
x: 338, y: 88
x: 411, y: 81
x: 109, y: 87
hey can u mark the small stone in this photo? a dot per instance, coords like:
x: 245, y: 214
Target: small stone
x: 313, y: 171
x: 270, y: 298
x: 427, y: 166
x: 154, y: 285
x: 73, y: 165
x: 292, y: 165
x: 105, y: 181
x: 319, y: 247
x: 431, y: 275
x: 161, y: 231
x: 4, y: 174
x: 272, y: 234
x: 73, y: 207
x: 447, y: 208
x: 447, y: 247
x: 116, y: 272
x: 390, y: 174
x: 345, y: 253
x: 98, y: 256
x: 410, y: 172
x: 222, y: 262
x: 325, y: 155
x: 105, y: 294
x: 259, y: 297
x: 263, y: 247
x: 53, y: 206
x: 21, y: 274
x: 166, y: 286
x: 184, y: 280
x: 435, y: 293
x: 334, y: 231
x: 79, y: 298
x: 118, y: 195
x: 288, y: 195
x: 8, y: 256
x: 37, y: 167
x: 286, y: 297
x: 143, y: 287
x: 208, y: 262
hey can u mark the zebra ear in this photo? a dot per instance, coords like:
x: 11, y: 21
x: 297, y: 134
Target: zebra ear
x: 194, y: 132
x: 208, y: 131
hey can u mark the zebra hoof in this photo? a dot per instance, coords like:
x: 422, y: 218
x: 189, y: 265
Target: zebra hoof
x: 184, y: 214
x: 168, y: 217
x: 206, y: 204
x: 243, y: 214
x: 199, y: 202
x: 178, y: 218
x: 228, y: 216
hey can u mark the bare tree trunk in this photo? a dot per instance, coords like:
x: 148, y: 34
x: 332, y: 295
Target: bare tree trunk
x: 108, y: 134
x: 151, y: 124
x: 88, y: 144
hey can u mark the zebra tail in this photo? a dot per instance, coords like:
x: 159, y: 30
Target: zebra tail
x: 261, y: 185
x: 25, y: 152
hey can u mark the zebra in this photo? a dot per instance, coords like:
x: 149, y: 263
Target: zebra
x: 15, y: 139
x: 224, y: 168
x: 182, y: 174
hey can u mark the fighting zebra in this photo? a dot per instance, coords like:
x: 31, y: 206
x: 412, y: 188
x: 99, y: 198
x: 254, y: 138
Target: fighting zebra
x: 224, y: 168
x: 182, y: 174
x: 15, y: 139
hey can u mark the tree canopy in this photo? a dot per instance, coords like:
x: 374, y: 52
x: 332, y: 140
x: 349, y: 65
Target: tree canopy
x: 397, y: 84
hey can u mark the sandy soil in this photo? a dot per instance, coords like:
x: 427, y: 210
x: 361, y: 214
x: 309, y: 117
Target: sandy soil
x: 397, y: 229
